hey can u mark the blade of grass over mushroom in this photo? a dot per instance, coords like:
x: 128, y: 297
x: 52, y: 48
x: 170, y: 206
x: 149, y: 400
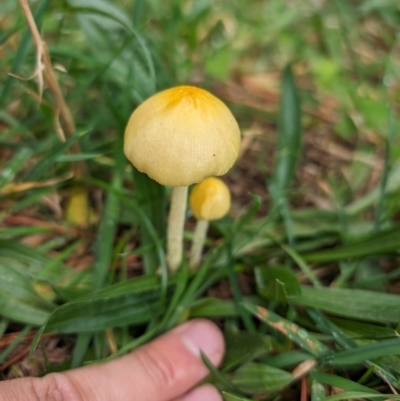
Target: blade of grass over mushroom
x: 295, y: 333
x: 352, y: 303
x: 152, y: 201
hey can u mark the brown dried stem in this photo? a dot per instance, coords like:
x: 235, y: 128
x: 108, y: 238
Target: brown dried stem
x: 64, y: 121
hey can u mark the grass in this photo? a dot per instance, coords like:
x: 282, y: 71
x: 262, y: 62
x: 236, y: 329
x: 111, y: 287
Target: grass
x: 303, y: 276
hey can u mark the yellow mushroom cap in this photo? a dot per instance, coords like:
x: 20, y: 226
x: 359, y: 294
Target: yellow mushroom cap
x: 210, y: 199
x: 182, y: 135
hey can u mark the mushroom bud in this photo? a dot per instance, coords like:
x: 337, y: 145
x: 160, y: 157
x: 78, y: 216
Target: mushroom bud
x: 209, y: 200
x: 178, y: 137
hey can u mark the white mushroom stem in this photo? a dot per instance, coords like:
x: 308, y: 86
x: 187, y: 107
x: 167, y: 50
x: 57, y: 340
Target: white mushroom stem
x: 176, y: 222
x: 200, y: 233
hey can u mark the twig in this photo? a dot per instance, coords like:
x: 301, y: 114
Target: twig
x: 16, y: 358
x: 30, y: 221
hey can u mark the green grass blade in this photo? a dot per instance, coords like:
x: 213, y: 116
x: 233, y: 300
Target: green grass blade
x: 289, y: 138
x: 3, y: 325
x: 19, y: 301
x: 81, y: 347
x: 243, y: 347
x: 295, y: 333
x: 377, y: 243
x: 276, y: 283
x: 256, y: 378
x: 234, y: 397
x: 361, y: 354
x: 350, y: 395
x: 317, y: 391
x: 217, y: 374
x: 352, y: 303
x: 385, y: 173
x: 108, y: 226
x: 288, y: 359
x: 237, y: 295
x: 4, y: 355
x: 133, y: 301
x: 340, y: 382
x: 302, y: 265
x: 288, y: 148
x: 152, y: 201
x: 45, y: 164
x: 213, y: 308
x: 138, y: 7
x: 8, y: 172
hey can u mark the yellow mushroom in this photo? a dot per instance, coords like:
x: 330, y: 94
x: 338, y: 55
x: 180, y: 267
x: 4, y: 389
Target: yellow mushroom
x: 178, y: 137
x: 209, y: 200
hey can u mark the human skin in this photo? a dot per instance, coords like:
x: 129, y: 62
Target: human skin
x: 164, y: 370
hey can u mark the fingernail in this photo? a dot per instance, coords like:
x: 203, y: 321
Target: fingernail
x: 203, y: 393
x: 205, y: 336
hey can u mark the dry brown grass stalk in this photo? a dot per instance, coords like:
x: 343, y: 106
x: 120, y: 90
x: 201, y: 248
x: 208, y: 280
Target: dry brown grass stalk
x: 64, y: 121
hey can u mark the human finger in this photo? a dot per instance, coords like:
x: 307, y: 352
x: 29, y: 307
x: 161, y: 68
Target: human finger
x: 159, y: 371
x: 202, y: 393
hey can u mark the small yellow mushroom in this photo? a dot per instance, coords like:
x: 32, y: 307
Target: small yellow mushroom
x: 209, y: 200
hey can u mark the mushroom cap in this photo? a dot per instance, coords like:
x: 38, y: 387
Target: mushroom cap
x: 210, y: 199
x: 182, y: 135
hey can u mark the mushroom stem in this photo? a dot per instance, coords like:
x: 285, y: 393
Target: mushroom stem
x: 199, y: 238
x: 176, y: 222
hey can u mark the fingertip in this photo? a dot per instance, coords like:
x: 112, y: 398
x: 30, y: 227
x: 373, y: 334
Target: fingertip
x: 203, y: 335
x: 203, y: 393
